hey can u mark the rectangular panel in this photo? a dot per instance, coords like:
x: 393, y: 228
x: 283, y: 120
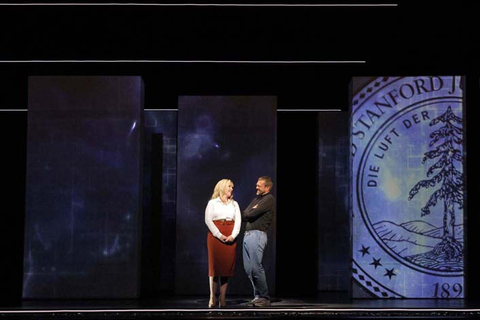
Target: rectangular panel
x: 333, y: 219
x: 83, y: 187
x: 407, y: 187
x: 230, y: 137
x: 159, y: 202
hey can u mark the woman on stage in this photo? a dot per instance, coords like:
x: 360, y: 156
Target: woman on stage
x: 223, y: 219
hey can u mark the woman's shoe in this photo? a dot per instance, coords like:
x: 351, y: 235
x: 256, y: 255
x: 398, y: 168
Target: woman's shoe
x: 211, y: 303
x: 222, y: 304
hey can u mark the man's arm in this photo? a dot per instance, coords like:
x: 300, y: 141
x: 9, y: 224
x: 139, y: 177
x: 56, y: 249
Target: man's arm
x: 262, y: 207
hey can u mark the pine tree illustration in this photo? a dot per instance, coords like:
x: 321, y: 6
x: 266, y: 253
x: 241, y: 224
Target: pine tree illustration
x: 451, y: 180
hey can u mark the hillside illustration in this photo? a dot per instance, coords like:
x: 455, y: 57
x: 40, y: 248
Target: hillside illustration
x: 416, y: 241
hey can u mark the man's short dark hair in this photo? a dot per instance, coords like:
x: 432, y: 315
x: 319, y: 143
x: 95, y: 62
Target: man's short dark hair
x: 268, y: 181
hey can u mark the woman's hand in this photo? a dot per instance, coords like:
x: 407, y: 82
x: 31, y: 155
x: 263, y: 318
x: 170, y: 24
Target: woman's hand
x: 223, y: 238
x: 230, y: 239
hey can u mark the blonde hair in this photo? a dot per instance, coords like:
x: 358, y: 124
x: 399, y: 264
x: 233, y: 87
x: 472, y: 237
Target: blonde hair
x: 219, y: 189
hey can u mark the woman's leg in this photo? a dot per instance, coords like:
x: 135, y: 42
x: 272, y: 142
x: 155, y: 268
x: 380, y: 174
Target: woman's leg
x: 223, y: 291
x: 213, y: 291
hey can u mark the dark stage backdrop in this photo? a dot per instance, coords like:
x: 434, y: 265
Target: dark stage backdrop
x: 220, y: 137
x: 83, y: 190
x: 159, y: 202
x: 333, y: 215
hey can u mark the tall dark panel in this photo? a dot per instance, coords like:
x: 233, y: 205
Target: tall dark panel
x: 220, y: 137
x: 13, y: 138
x: 333, y: 220
x: 297, y: 227
x: 83, y: 197
x: 159, y: 198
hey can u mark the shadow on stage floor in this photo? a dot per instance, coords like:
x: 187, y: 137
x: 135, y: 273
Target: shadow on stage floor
x: 322, y: 306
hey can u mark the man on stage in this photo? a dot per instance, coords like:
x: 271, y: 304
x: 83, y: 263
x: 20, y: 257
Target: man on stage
x: 258, y: 215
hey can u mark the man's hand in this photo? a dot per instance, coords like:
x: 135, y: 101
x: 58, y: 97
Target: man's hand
x: 255, y: 206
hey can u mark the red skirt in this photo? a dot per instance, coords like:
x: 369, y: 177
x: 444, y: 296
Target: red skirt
x: 221, y: 256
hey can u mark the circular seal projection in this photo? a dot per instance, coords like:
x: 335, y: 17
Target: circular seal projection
x: 407, y: 185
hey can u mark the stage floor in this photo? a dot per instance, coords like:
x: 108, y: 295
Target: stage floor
x: 324, y: 306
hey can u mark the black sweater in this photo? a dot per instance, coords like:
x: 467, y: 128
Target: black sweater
x: 261, y: 217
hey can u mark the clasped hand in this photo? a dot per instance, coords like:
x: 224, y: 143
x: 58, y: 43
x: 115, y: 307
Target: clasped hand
x: 228, y: 239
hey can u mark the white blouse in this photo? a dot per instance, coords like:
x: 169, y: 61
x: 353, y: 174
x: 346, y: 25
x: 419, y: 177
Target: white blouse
x: 217, y: 210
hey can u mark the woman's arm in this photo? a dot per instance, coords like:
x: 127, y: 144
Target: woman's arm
x: 238, y: 221
x: 209, y: 221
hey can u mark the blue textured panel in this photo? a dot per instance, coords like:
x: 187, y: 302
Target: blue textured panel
x: 220, y: 137
x: 407, y: 187
x: 83, y: 187
x: 333, y: 215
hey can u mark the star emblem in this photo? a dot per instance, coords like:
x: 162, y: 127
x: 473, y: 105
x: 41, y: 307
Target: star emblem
x: 364, y: 250
x: 376, y: 263
x: 389, y: 273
